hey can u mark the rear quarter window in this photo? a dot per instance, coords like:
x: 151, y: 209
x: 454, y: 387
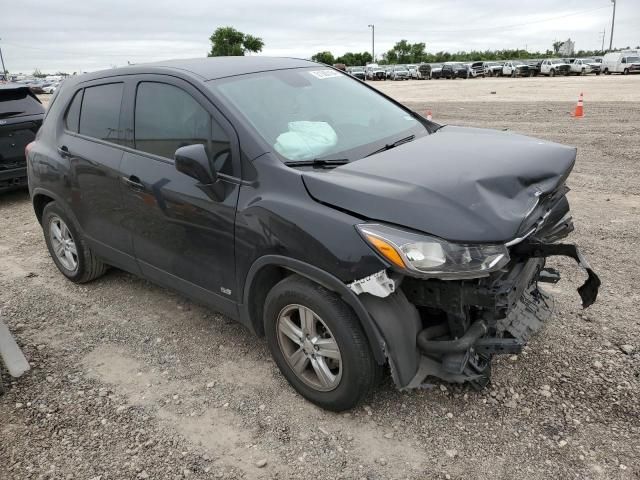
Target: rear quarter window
x: 72, y: 117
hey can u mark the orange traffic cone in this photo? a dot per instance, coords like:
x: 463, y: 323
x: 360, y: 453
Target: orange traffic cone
x: 579, y: 113
x: 429, y: 117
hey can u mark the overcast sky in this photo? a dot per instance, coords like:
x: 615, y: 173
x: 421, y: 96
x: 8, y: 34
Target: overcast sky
x: 85, y: 35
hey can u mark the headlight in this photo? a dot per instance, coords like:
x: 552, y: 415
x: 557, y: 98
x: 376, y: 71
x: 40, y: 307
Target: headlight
x: 426, y: 256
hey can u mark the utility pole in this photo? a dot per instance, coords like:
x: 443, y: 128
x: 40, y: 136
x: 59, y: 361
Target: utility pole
x: 373, y: 42
x: 604, y: 34
x: 2, y: 74
x: 613, y: 20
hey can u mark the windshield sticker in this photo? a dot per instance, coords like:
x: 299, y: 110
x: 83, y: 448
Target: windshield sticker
x: 322, y: 74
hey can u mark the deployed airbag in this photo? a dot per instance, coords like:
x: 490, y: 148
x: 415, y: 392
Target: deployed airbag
x: 306, y: 140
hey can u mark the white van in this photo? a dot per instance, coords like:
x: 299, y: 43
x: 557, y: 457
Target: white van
x: 621, y: 62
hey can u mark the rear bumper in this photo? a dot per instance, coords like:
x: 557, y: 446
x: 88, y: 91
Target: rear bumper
x: 13, y: 178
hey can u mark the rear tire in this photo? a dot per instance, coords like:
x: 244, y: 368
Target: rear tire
x: 300, y: 313
x: 67, y: 247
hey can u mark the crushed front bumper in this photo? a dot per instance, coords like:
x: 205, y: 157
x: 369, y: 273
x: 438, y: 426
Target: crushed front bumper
x: 452, y: 329
x: 492, y: 316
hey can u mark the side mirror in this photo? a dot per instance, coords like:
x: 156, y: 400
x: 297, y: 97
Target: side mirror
x: 193, y: 160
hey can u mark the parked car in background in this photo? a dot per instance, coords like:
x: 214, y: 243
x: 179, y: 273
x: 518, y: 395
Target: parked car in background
x: 50, y: 88
x: 413, y: 71
x: 375, y: 72
x: 36, y: 88
x: 515, y: 68
x: 453, y: 70
x: 357, y: 72
x: 534, y: 67
x: 584, y: 66
x: 620, y: 62
x: 492, y: 69
x: 476, y: 69
x: 296, y: 200
x: 400, y: 72
x: 21, y: 115
x: 436, y: 70
x: 554, y: 66
x: 424, y: 71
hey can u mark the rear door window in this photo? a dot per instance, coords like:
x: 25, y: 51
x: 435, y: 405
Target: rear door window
x: 72, y: 118
x: 100, y: 112
x: 18, y: 102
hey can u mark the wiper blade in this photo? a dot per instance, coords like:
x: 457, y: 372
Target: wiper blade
x: 318, y: 163
x: 389, y: 146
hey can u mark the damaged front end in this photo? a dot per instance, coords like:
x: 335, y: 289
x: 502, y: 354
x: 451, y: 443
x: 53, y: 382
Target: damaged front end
x: 451, y: 327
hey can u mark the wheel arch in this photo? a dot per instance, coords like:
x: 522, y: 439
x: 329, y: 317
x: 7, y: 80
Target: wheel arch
x: 40, y: 198
x: 268, y: 270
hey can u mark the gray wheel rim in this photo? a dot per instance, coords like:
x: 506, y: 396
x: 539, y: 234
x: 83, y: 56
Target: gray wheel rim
x: 309, y: 347
x: 64, y: 246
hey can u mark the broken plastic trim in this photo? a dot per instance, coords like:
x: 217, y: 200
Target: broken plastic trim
x: 379, y: 284
x: 589, y: 289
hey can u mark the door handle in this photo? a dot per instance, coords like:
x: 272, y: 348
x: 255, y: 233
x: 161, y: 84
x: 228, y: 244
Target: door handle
x: 133, y: 182
x: 63, y: 151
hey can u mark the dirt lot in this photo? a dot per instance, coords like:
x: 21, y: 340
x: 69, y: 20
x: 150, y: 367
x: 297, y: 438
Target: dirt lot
x: 133, y: 381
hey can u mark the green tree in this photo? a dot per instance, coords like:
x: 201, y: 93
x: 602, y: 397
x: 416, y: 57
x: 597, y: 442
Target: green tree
x: 227, y: 41
x: 405, y: 52
x: 324, y: 57
x: 556, y: 46
x: 351, y: 59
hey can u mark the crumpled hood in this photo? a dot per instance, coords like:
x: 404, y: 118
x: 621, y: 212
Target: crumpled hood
x: 460, y: 184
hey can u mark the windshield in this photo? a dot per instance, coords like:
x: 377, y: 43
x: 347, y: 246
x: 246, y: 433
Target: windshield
x: 315, y: 113
x: 556, y: 62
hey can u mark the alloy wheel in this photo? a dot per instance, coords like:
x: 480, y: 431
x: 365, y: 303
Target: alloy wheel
x: 64, y: 246
x: 309, y: 347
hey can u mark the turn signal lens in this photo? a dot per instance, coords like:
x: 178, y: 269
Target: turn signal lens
x: 386, y: 250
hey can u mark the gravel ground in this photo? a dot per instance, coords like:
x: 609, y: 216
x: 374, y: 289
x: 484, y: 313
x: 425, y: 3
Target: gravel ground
x: 133, y: 381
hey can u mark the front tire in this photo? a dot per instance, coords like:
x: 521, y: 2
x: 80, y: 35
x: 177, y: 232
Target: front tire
x: 552, y: 73
x: 67, y: 247
x: 318, y: 344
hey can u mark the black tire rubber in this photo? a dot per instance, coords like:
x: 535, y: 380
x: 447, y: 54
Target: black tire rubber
x: 626, y: 71
x: 89, y: 266
x: 360, y: 372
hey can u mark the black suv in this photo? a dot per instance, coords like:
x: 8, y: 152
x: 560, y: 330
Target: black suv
x: 21, y: 115
x: 350, y: 231
x: 455, y: 70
